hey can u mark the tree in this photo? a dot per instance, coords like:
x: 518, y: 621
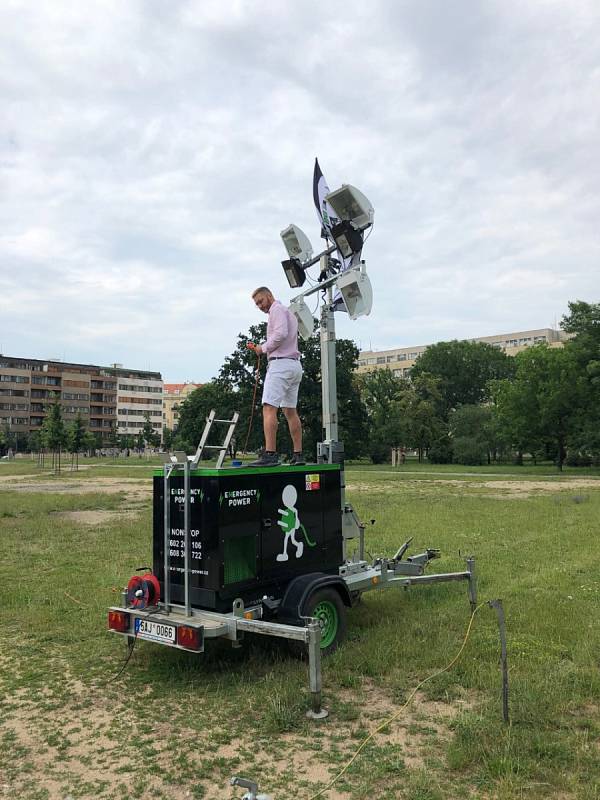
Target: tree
x: 168, y: 438
x: 34, y: 442
x: 380, y: 391
x: 75, y: 440
x: 148, y: 435
x: 465, y: 370
x: 195, y: 409
x: 140, y: 443
x: 54, y: 433
x: 401, y: 413
x: 126, y: 442
x: 352, y: 416
x: 540, y: 405
x: 114, y: 439
x: 89, y: 442
x: 583, y: 322
x: 416, y: 415
x: 472, y: 432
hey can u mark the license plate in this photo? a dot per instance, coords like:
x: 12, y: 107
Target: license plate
x: 155, y: 631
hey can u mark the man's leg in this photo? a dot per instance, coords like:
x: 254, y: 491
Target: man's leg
x: 295, y: 427
x: 270, y: 427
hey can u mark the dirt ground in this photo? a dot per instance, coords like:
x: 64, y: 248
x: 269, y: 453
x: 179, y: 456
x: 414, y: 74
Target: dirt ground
x: 497, y: 488
x: 416, y: 731
x: 134, y: 487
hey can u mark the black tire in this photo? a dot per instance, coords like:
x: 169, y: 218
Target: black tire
x: 327, y: 606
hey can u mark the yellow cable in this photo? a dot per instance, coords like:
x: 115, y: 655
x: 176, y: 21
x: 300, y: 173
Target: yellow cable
x: 395, y: 716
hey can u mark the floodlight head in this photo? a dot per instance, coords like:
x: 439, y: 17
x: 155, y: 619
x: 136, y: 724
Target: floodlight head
x: 352, y: 206
x: 296, y: 243
x: 306, y: 322
x: 347, y: 239
x: 293, y: 272
x: 356, y: 291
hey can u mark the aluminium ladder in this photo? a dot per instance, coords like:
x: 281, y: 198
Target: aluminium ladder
x: 221, y: 448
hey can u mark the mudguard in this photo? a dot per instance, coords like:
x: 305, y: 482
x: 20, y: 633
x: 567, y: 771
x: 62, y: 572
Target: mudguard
x: 300, y: 589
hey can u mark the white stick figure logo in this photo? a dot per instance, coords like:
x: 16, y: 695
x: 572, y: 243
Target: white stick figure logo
x: 290, y: 523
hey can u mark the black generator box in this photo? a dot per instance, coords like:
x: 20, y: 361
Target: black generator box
x: 252, y: 530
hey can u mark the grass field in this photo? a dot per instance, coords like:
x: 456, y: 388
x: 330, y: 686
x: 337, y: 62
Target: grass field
x: 177, y: 726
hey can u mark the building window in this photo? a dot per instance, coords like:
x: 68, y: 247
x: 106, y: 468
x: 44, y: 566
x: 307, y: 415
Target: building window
x: 75, y: 396
x: 44, y: 380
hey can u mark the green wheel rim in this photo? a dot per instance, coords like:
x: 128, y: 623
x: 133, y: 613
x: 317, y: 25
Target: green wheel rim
x: 327, y: 614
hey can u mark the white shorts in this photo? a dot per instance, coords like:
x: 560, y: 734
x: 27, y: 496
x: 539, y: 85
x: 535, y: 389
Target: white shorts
x: 282, y: 382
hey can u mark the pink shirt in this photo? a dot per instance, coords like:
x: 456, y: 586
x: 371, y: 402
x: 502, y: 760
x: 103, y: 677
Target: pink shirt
x: 282, y: 333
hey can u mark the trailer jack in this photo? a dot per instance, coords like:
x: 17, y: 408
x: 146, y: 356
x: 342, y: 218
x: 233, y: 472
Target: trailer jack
x: 252, y: 786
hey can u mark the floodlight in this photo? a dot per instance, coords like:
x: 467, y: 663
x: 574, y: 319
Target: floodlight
x: 356, y: 291
x: 296, y: 243
x: 352, y: 206
x: 306, y: 322
x: 347, y: 239
x: 293, y: 272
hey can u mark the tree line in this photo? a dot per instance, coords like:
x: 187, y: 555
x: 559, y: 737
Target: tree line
x: 464, y: 402
x: 57, y: 436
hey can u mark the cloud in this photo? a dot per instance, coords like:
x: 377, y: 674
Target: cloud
x: 151, y: 153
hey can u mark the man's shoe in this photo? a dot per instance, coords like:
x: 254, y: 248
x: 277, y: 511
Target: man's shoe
x: 297, y: 460
x: 266, y: 460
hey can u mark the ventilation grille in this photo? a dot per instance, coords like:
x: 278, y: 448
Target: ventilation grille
x: 239, y: 556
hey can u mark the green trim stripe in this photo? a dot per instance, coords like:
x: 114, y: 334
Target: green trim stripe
x: 282, y: 468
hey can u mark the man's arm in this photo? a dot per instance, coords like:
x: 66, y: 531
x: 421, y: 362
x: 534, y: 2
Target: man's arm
x: 277, y: 329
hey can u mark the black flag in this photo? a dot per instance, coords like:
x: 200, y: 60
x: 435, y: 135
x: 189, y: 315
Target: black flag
x: 324, y: 210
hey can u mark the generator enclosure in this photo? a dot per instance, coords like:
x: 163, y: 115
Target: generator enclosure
x: 252, y: 530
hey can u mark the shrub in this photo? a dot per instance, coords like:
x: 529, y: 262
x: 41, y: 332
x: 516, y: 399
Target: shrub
x: 469, y: 450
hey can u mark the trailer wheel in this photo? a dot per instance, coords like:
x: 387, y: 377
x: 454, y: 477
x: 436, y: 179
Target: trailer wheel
x: 327, y: 606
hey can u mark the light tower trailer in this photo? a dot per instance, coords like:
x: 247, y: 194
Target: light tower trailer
x: 275, y: 551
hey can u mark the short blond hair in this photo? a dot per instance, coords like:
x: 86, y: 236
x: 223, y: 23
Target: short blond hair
x: 261, y: 290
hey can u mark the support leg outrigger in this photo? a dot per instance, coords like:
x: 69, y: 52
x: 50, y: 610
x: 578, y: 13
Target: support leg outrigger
x: 314, y: 671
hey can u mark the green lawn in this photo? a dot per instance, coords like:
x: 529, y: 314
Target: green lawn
x: 174, y: 725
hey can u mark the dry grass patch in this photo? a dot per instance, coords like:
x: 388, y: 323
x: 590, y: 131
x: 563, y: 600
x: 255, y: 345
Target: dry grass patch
x: 92, y: 517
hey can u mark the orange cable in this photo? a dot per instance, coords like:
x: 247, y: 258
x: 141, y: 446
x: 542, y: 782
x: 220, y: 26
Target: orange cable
x: 253, y: 401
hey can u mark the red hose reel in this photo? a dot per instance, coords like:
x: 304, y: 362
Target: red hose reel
x: 143, y: 591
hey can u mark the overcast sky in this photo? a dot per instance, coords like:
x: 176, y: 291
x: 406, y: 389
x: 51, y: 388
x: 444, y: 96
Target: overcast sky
x: 151, y: 152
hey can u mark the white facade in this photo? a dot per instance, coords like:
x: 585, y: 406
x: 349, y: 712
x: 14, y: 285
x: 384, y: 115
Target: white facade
x: 401, y: 359
x: 138, y: 397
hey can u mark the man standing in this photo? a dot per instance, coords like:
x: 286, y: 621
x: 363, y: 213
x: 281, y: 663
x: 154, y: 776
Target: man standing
x: 284, y: 373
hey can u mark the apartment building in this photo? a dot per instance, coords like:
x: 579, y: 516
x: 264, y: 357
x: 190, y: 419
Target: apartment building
x: 29, y: 385
x: 174, y: 395
x: 139, y: 396
x: 401, y: 359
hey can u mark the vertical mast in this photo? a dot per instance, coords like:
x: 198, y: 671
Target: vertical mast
x: 328, y: 378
